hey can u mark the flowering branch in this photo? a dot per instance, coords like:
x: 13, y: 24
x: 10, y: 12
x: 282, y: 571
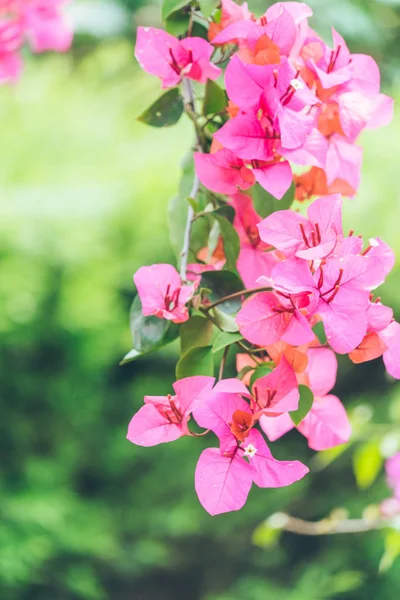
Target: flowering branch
x: 328, y: 526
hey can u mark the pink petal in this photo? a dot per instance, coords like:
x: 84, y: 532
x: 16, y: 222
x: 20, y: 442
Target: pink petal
x: 192, y: 391
x: 294, y: 128
x: 258, y: 322
x: 245, y: 83
x: 253, y: 263
x: 222, y: 483
x: 327, y: 424
x: 343, y: 162
x: 313, y: 151
x: 269, y: 472
x: 379, y: 249
x: 391, y: 358
x: 245, y: 136
x: 281, y: 384
x: 282, y: 230
x: 298, y: 331
x: 276, y: 427
x: 282, y: 30
x: 382, y: 112
x: 232, y: 386
x: 222, y: 172
x: 149, y: 428
x: 321, y: 370
x: 201, y: 51
x: 345, y: 322
x: 355, y: 111
x: 379, y: 316
x: 275, y: 178
x: 239, y: 30
x: 216, y: 414
x: 327, y: 212
x: 365, y: 76
x: 152, y: 51
x: 298, y: 10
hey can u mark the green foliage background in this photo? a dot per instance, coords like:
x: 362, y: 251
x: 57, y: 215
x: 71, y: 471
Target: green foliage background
x: 84, y: 514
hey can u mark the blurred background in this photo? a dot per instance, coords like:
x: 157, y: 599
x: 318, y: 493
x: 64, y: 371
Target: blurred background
x: 85, y: 515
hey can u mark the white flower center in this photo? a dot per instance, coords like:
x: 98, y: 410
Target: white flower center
x: 297, y: 84
x: 250, y: 451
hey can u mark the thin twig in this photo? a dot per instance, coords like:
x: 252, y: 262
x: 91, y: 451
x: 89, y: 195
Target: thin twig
x: 237, y: 295
x: 223, y: 361
x: 325, y: 526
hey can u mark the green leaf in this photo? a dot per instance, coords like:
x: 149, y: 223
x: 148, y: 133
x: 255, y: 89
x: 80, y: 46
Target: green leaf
x: 198, y: 361
x: 367, y: 462
x: 225, y: 322
x: 305, y: 405
x: 224, y: 339
x: 244, y: 372
x: 149, y: 333
x: 207, y: 7
x: 165, y: 112
x: 223, y: 283
x: 131, y: 356
x: 196, y: 332
x: 198, y: 30
x: 319, y: 331
x: 265, y: 204
x: 231, y: 241
x: 261, y: 371
x: 392, y: 550
x: 171, y: 6
x: 215, y: 99
x: 177, y: 24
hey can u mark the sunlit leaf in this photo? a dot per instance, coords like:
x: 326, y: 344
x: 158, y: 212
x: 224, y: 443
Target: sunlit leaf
x: 198, y: 361
x: 171, y: 6
x: 225, y: 339
x: 166, y: 110
x: 207, y: 7
x: 261, y: 371
x: 367, y: 462
x: 305, y: 405
x: 392, y: 550
x: 196, y: 332
x: 265, y: 204
x: 215, y: 98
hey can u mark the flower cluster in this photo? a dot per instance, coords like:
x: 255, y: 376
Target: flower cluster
x: 293, y: 100
x: 39, y: 23
x: 288, y: 289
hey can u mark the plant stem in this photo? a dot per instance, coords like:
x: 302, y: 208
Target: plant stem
x: 325, y: 526
x: 237, y: 295
x: 223, y: 361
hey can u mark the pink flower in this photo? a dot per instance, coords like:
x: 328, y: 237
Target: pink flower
x: 224, y: 476
x: 11, y: 39
x: 391, y: 356
x: 165, y: 418
x: 222, y: 172
x: 312, y: 238
x: 162, y: 293
x: 393, y: 474
x: 277, y: 392
x: 326, y: 425
x: 253, y: 260
x: 171, y: 59
x: 45, y: 25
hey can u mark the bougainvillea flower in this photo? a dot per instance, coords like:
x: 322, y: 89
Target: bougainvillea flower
x: 344, y: 286
x: 277, y: 392
x: 45, y: 25
x: 11, y: 36
x: 343, y: 162
x: 267, y: 318
x: 391, y: 357
x: 223, y: 172
x: 230, y: 13
x: 311, y: 238
x: 332, y: 67
x: 392, y: 467
x: 170, y: 59
x: 280, y: 28
x: 253, y: 259
x: 224, y: 476
x: 165, y: 418
x: 162, y: 293
x: 327, y: 424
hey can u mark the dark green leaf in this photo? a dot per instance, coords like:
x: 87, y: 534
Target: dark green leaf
x: 305, y: 405
x: 165, y: 112
x: 231, y: 241
x: 224, y: 339
x: 150, y: 333
x: 224, y: 321
x: 215, y: 99
x: 196, y: 332
x: 177, y: 24
x: 198, y: 361
x: 261, y: 371
x: 171, y: 6
x: 319, y: 331
x: 244, y: 372
x: 265, y: 204
x: 198, y: 30
x: 207, y: 7
x: 223, y: 283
